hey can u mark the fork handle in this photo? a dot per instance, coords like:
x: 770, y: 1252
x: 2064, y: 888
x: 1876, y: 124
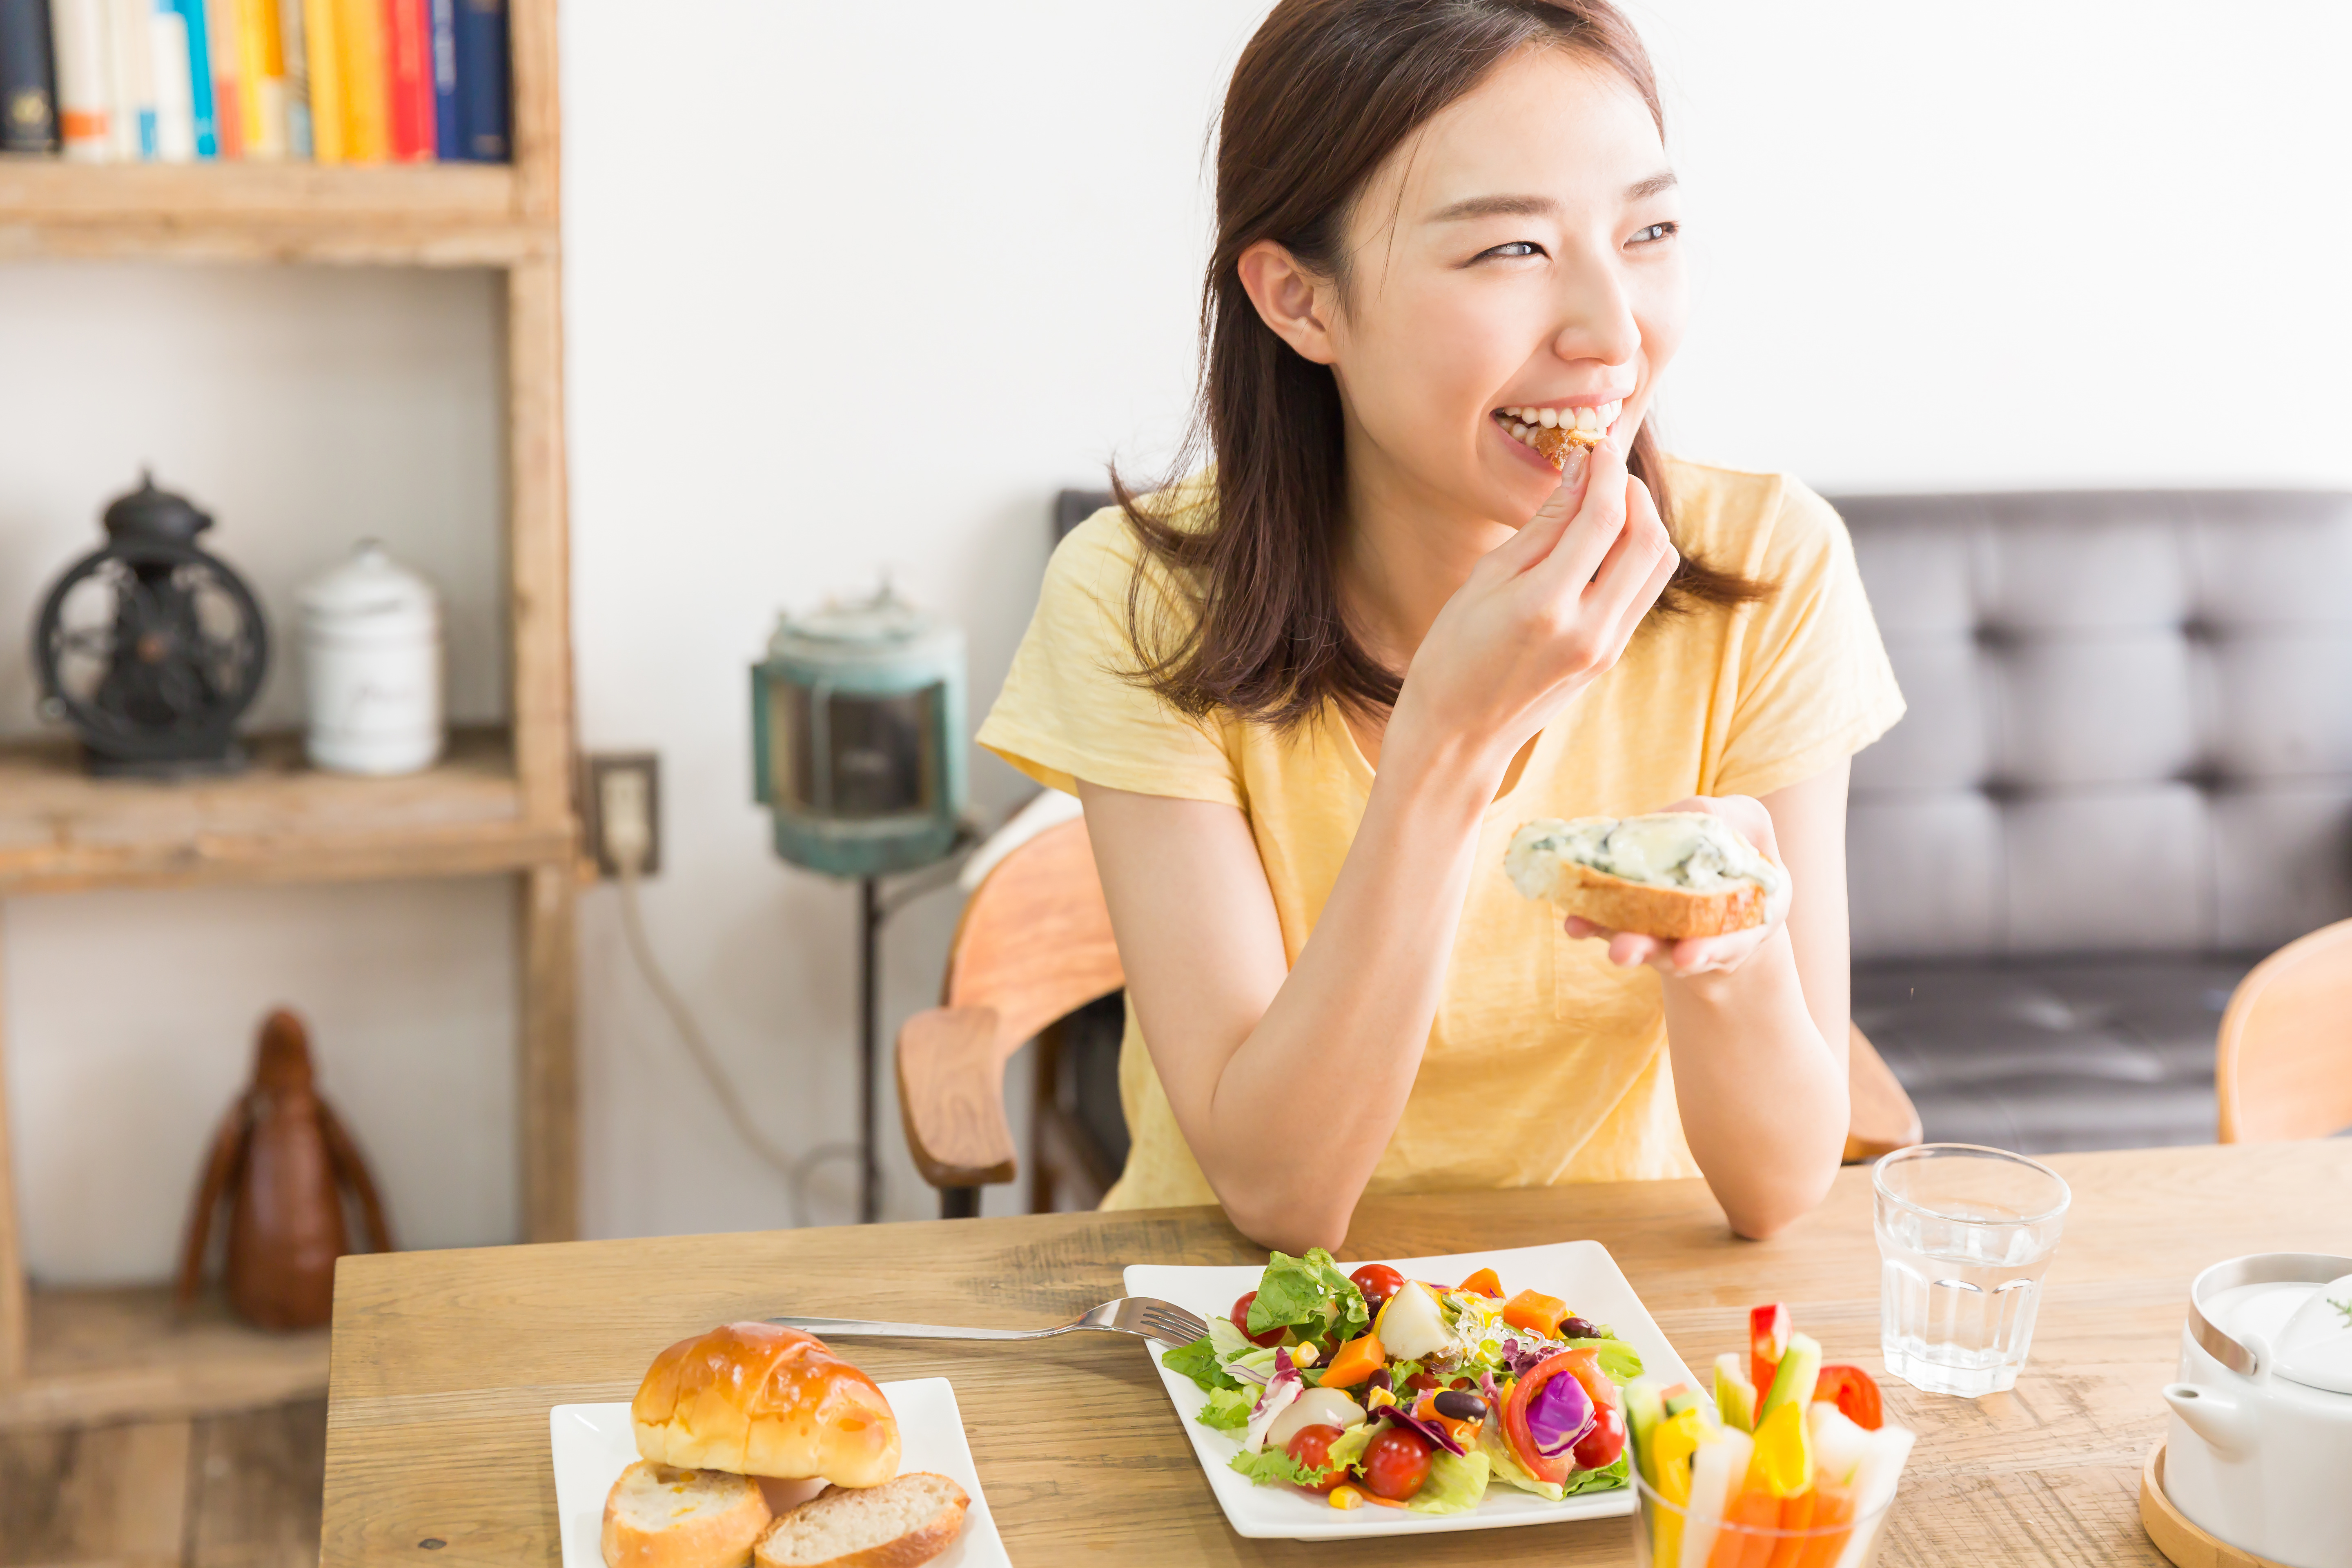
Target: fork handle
x: 859, y: 1326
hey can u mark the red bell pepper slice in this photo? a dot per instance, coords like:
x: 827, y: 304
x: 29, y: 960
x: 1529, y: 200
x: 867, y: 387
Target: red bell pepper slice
x: 1855, y: 1394
x: 1515, y: 1418
x: 1768, y: 1341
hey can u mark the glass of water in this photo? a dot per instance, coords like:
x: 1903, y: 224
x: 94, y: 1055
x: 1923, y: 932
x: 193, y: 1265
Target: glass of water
x: 1965, y: 1236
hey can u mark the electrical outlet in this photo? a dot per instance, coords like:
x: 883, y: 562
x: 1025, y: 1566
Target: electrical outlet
x: 620, y: 810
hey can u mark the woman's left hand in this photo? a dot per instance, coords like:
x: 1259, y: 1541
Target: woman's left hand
x: 1703, y: 954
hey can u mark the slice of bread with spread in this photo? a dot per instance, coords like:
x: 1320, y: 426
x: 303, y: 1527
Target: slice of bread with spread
x: 909, y: 1519
x: 659, y: 1516
x: 1671, y: 874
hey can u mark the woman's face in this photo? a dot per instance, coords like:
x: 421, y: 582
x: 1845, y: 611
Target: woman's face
x: 1520, y: 254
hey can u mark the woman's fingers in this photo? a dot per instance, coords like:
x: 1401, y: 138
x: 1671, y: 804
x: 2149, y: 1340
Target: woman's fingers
x: 1637, y: 568
x: 1541, y: 532
x: 1584, y: 542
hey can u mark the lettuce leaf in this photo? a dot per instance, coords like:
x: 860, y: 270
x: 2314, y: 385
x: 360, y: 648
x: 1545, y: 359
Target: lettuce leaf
x: 1602, y: 1480
x: 1228, y: 1409
x: 1268, y: 1465
x: 1348, y: 1446
x: 1198, y: 1361
x: 1507, y: 1469
x: 1620, y: 1362
x: 1310, y: 1293
x: 1456, y: 1483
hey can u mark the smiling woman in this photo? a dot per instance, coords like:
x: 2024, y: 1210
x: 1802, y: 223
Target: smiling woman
x: 1436, y: 578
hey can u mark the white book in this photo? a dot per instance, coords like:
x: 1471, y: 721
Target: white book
x: 176, y: 99
x: 130, y: 50
x: 78, y: 29
x: 294, y: 44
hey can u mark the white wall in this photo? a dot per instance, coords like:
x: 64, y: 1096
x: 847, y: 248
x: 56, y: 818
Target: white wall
x: 903, y: 280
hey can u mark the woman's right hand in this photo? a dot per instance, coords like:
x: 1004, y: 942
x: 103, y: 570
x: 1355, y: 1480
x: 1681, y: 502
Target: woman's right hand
x: 1540, y: 616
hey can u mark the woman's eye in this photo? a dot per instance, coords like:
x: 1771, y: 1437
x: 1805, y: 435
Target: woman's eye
x: 1515, y: 250
x: 1655, y: 233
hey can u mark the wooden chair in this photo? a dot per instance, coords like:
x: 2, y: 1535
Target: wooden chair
x: 1033, y: 945
x: 2283, y: 1069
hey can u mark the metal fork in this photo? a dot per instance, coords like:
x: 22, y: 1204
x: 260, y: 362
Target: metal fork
x: 1146, y: 1317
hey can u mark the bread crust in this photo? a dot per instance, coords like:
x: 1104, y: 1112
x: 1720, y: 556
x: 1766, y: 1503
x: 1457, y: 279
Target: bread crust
x: 721, y: 1539
x: 1677, y: 914
x: 915, y: 1547
x: 760, y: 1399
x: 1553, y: 441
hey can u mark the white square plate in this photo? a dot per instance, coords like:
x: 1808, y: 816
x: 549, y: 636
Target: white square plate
x: 1581, y: 1273
x: 593, y: 1444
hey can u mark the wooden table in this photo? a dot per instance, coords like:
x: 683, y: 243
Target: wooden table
x: 445, y: 1363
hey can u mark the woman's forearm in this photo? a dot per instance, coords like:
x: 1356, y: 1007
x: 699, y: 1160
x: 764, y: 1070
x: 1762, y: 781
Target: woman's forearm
x: 1762, y: 1095
x: 1303, y: 1107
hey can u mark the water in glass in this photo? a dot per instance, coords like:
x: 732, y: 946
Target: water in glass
x: 1965, y: 1236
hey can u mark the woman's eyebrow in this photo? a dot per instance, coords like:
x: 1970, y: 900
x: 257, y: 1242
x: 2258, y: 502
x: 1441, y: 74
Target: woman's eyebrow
x: 1506, y: 205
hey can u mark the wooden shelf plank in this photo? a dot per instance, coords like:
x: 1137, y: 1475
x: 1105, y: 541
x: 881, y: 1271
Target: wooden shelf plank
x: 120, y: 1354
x: 450, y: 215
x: 279, y: 821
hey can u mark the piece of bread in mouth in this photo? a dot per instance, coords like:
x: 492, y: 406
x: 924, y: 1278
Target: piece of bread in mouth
x: 660, y: 1517
x: 763, y: 1400
x: 898, y: 1524
x: 1670, y: 874
x: 1554, y: 441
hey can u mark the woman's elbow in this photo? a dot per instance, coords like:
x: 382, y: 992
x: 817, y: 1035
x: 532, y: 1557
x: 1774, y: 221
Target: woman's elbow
x: 1278, y: 1222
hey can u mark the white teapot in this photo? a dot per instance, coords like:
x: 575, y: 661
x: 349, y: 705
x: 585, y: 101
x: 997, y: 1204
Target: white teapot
x: 2259, y: 1450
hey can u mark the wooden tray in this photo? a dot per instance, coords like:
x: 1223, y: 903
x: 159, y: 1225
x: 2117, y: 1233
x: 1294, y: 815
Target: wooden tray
x: 2175, y: 1536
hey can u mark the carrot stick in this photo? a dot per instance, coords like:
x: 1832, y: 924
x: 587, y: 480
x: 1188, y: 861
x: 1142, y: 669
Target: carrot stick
x: 1750, y: 1511
x: 1832, y: 1506
x: 1796, y: 1515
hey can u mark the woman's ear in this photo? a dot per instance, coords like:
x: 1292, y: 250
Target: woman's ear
x: 1293, y: 302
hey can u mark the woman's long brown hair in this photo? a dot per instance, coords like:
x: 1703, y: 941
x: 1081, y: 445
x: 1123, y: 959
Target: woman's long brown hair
x: 1324, y: 92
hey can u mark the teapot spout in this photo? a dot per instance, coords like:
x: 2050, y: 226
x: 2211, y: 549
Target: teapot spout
x: 2216, y: 1417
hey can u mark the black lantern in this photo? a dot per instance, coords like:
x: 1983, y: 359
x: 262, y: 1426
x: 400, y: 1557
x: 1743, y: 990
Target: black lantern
x: 149, y: 648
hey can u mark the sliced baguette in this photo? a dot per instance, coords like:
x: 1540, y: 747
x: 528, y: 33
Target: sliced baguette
x: 1675, y: 913
x: 898, y: 1524
x: 659, y: 1517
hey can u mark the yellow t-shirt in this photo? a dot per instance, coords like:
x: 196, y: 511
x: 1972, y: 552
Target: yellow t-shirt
x: 1545, y: 1063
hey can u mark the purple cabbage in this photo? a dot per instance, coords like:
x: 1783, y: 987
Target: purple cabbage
x: 1487, y: 1387
x: 1429, y: 1429
x: 1558, y: 1416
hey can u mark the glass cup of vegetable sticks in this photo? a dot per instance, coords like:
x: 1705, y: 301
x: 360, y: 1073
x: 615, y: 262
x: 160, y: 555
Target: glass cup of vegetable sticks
x: 1965, y: 1236
x: 1697, y: 1534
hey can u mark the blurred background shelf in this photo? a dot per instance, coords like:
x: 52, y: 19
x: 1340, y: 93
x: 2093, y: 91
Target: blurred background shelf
x: 279, y: 821
x: 431, y: 214
x: 101, y: 1355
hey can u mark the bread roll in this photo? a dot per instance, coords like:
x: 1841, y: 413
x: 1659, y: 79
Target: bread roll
x: 899, y: 1524
x: 762, y: 1400
x: 1674, y: 875
x: 658, y: 1517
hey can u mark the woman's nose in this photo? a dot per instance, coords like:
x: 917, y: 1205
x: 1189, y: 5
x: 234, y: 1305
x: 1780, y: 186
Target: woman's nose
x: 1596, y: 315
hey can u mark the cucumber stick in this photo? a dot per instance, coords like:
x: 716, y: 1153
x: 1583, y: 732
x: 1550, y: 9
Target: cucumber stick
x: 1792, y: 1384
x: 1643, y: 1410
x: 1735, y: 1396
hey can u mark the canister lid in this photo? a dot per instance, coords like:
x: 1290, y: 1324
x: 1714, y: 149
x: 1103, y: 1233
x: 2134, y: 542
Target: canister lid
x: 370, y: 586
x: 883, y: 626
x: 2314, y: 1348
x: 2286, y: 1313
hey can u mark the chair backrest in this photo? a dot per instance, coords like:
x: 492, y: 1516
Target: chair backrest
x: 1035, y: 943
x: 2284, y: 1066
x: 2130, y: 722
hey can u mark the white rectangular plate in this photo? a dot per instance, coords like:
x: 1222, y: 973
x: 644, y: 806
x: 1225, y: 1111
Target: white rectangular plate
x: 593, y: 1444
x: 1581, y: 1273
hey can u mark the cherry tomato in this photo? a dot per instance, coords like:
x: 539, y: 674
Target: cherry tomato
x: 1855, y: 1393
x: 1606, y: 1440
x: 1468, y: 1382
x: 1378, y: 1281
x: 1311, y: 1447
x: 1421, y: 1381
x: 1240, y: 1315
x: 1395, y: 1463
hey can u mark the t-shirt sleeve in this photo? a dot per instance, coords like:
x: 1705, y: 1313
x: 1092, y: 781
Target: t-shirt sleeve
x: 1069, y: 710
x: 1814, y: 683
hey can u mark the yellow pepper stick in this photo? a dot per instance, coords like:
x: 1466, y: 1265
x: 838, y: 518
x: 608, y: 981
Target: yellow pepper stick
x: 1679, y: 1438
x: 1783, y: 1465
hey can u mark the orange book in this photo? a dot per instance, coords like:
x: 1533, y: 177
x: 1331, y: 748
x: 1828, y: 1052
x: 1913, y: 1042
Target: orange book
x: 408, y: 75
x: 367, y: 129
x: 261, y: 71
x: 325, y: 58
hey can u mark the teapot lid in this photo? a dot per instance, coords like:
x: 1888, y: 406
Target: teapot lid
x: 2312, y: 1347
x: 153, y: 516
x: 367, y: 583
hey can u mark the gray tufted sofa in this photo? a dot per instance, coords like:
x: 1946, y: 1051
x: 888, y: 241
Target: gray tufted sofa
x: 2126, y: 774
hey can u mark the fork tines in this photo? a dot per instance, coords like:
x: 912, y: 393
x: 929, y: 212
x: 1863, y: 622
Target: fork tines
x: 1162, y: 1320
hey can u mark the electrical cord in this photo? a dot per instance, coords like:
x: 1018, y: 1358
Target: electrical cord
x: 628, y: 856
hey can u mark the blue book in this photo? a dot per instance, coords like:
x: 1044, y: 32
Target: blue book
x: 447, y: 140
x: 200, y: 75
x: 482, y: 81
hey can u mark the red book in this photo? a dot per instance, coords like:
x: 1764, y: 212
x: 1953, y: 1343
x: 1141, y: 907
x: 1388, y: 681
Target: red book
x: 408, y: 78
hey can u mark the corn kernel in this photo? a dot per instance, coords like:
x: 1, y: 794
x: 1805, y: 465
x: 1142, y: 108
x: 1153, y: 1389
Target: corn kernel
x: 1378, y: 1398
x: 1347, y: 1497
x: 1302, y: 1355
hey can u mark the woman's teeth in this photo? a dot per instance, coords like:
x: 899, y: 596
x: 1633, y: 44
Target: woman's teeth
x: 1523, y: 423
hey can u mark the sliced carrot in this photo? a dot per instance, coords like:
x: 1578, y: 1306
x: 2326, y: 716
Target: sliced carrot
x: 1536, y: 1312
x: 1757, y: 1511
x: 1832, y: 1506
x: 1354, y: 1362
x: 1796, y: 1515
x: 1486, y: 1282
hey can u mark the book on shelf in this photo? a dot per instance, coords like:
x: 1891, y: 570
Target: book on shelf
x: 28, y: 93
x: 78, y: 33
x: 356, y: 81
x: 408, y: 80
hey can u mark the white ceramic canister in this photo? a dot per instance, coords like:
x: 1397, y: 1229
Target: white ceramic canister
x: 2259, y: 1453
x: 372, y: 665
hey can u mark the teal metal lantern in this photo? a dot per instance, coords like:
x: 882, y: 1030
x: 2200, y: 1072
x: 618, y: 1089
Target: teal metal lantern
x: 858, y: 735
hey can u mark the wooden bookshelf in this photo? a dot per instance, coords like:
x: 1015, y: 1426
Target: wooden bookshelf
x: 500, y: 803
